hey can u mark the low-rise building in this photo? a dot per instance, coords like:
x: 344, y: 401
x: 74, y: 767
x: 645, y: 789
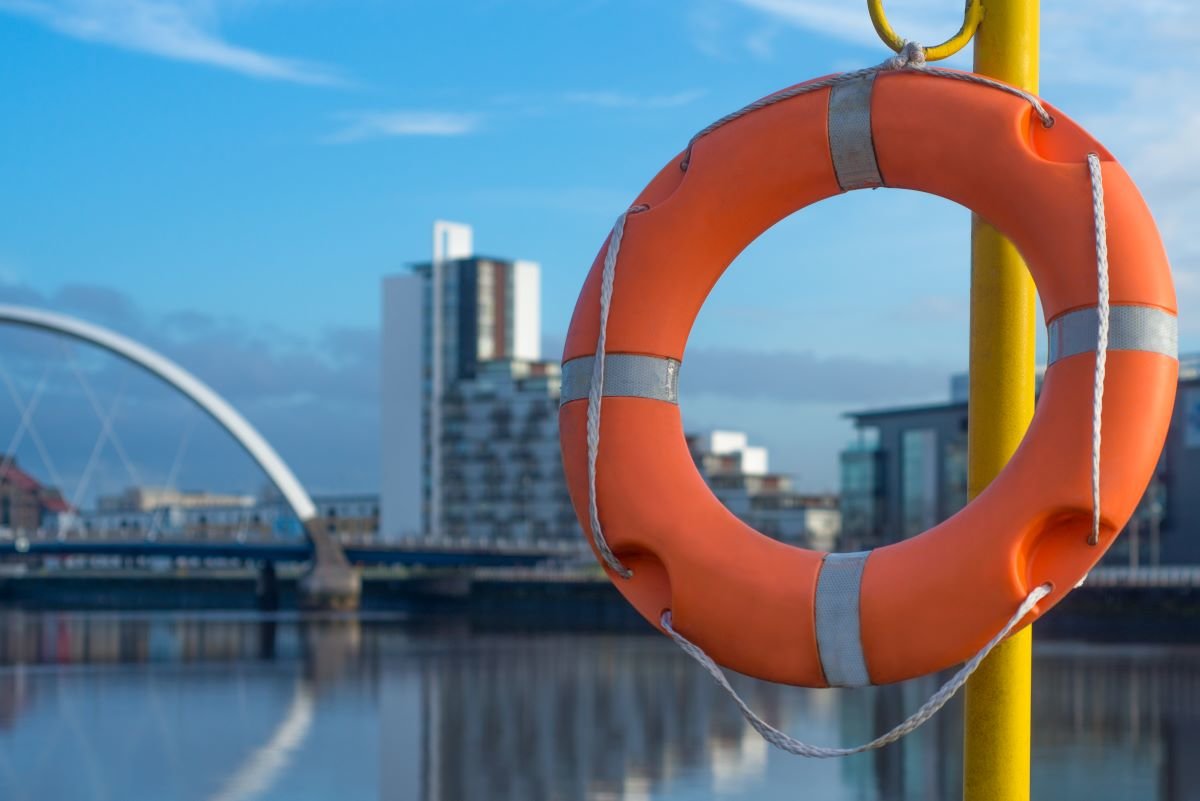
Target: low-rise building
x: 144, y: 499
x: 25, y: 503
x: 353, y: 517
x: 738, y: 474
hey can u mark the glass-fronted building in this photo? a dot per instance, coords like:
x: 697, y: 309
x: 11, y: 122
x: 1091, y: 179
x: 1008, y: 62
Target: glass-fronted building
x: 907, y: 471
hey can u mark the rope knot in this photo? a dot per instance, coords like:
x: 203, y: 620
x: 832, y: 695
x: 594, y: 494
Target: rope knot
x: 912, y: 56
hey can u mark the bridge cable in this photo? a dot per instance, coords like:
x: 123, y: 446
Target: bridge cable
x: 106, y: 424
x: 111, y: 430
x: 25, y: 425
x: 173, y: 473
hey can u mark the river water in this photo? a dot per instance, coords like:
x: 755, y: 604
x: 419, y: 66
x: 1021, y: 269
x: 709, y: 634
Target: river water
x: 236, y: 706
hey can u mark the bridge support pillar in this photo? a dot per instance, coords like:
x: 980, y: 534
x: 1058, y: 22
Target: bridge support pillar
x: 267, y: 590
x: 332, y: 583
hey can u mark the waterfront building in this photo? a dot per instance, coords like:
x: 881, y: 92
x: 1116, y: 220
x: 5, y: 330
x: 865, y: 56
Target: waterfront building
x: 907, y: 471
x: 144, y: 499
x: 470, y: 416
x: 351, y: 517
x: 738, y: 475
x: 25, y: 503
x: 442, y: 320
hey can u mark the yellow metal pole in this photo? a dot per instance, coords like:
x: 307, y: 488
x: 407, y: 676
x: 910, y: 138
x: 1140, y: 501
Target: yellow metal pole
x: 997, y: 714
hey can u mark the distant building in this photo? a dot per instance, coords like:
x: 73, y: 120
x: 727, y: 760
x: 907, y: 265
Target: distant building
x: 26, y: 504
x: 907, y: 471
x: 738, y: 475
x: 346, y: 516
x: 143, y: 499
x: 441, y: 322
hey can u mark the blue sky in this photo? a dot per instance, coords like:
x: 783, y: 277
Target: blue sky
x: 229, y: 180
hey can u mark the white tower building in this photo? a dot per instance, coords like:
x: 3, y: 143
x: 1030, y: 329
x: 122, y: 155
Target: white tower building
x: 441, y: 320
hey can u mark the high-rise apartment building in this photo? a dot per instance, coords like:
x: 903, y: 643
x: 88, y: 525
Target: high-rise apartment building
x: 502, y: 475
x: 441, y: 321
x: 470, y: 416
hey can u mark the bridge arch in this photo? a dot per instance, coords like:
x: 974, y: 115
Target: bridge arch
x: 187, y: 384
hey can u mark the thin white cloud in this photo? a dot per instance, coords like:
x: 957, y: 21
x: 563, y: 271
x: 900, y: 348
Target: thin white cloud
x: 613, y: 99
x: 705, y: 25
x: 716, y: 30
x: 1153, y: 130
x: 761, y: 43
x: 845, y: 21
x: 180, y: 30
x: 358, y: 126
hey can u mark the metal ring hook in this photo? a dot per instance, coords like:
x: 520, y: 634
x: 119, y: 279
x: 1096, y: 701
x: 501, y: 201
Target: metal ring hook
x: 972, y: 16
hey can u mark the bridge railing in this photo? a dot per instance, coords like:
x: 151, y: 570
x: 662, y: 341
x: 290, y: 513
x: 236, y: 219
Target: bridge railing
x: 563, y: 546
x: 1148, y: 576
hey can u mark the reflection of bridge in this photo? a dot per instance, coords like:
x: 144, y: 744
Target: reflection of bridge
x: 331, y: 581
x: 454, y: 713
x: 417, y: 553
x: 1145, y: 577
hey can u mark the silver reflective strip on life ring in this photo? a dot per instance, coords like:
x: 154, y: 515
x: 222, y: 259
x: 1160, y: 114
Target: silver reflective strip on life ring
x: 1145, y: 328
x: 836, y: 609
x: 850, y: 142
x: 626, y: 375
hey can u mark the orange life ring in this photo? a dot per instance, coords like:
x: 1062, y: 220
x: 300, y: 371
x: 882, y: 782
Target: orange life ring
x: 796, y: 616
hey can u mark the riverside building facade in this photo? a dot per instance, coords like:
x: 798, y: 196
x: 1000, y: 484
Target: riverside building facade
x: 907, y: 471
x: 738, y: 474
x: 441, y: 320
x: 470, y: 416
x: 158, y: 513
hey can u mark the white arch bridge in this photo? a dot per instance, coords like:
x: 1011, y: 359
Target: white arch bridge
x: 332, y: 581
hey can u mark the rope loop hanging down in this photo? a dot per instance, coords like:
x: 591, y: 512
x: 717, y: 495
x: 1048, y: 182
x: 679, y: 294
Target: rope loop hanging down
x: 1100, y: 226
x: 927, y: 710
x: 596, y: 391
x: 972, y: 16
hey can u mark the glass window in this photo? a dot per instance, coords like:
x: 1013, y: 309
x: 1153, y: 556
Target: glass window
x: 861, y: 490
x: 918, y: 480
x: 954, y: 474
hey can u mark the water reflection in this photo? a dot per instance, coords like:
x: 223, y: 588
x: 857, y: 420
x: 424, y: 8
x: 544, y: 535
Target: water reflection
x: 241, y: 707
x: 265, y: 765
